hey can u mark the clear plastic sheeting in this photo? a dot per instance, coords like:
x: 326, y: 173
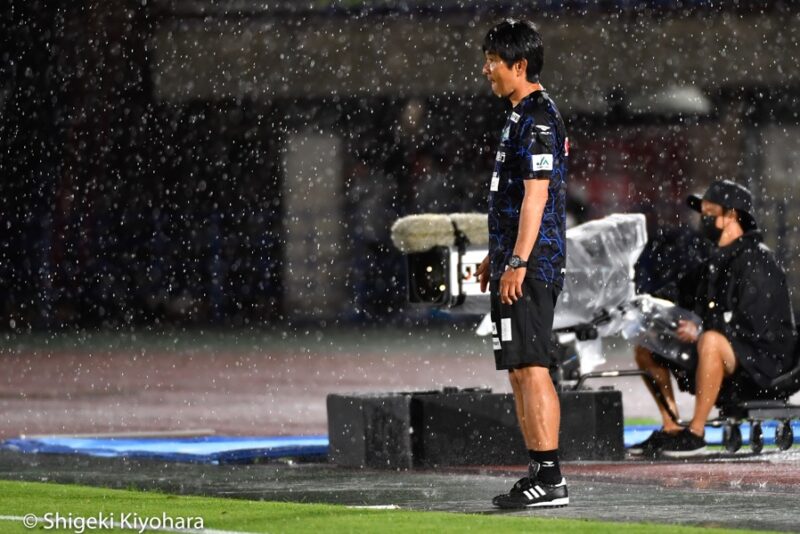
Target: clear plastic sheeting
x: 599, y: 278
x: 590, y: 354
x: 599, y: 282
x: 652, y: 323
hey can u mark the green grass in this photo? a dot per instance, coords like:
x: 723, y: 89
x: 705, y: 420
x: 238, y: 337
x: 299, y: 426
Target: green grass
x: 641, y: 421
x: 20, y: 498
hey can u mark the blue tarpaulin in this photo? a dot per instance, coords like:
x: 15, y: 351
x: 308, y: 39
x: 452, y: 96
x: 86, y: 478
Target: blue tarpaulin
x: 206, y: 449
x: 241, y: 449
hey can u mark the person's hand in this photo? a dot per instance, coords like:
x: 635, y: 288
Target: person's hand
x: 483, y: 274
x: 687, y: 331
x: 511, y: 285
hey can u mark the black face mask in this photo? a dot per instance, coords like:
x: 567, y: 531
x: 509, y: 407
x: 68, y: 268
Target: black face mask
x: 709, y: 228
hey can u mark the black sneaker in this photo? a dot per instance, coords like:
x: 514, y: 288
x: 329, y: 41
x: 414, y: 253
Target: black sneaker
x: 518, y: 487
x: 534, y: 494
x: 684, y: 444
x: 521, y: 485
x: 651, y: 445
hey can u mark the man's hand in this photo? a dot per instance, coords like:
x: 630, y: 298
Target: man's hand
x: 511, y: 285
x: 483, y: 274
x: 687, y: 331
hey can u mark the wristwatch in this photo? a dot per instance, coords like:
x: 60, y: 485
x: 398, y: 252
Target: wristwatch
x: 515, y: 262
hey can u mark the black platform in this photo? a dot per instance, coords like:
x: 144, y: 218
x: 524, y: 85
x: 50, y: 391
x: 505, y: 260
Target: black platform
x: 467, y: 427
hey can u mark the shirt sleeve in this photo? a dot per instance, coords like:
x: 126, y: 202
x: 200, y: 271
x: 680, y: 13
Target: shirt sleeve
x: 536, y: 149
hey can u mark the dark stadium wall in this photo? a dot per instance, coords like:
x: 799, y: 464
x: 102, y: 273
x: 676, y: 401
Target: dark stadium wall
x: 144, y: 147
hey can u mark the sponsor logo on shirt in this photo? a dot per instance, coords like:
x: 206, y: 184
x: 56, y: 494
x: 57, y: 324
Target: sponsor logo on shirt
x: 542, y: 162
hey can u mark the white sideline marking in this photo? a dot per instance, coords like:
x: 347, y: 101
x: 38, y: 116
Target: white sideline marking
x: 119, y: 526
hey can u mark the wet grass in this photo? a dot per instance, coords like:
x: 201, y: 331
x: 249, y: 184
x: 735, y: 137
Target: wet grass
x: 641, y: 421
x: 241, y: 516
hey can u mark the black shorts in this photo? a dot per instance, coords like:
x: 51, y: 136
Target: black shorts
x: 736, y: 388
x: 522, y: 333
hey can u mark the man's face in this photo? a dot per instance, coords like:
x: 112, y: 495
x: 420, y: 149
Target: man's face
x: 497, y: 72
x: 710, y: 209
x: 721, y: 217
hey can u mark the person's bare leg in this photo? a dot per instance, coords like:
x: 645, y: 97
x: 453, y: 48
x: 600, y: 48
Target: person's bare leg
x: 715, y: 361
x: 519, y: 405
x: 541, y: 407
x: 661, y: 375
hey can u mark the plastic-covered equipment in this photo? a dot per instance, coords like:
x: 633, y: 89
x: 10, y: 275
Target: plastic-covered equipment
x: 599, y: 281
x: 651, y: 323
x: 600, y: 259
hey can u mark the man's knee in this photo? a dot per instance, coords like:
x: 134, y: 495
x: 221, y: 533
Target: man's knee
x: 530, y: 375
x: 710, y: 340
x: 713, y: 345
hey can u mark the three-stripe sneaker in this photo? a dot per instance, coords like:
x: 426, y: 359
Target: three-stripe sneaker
x: 529, y: 493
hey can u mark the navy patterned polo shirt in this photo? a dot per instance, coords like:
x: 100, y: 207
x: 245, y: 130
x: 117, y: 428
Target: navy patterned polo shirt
x: 534, y: 146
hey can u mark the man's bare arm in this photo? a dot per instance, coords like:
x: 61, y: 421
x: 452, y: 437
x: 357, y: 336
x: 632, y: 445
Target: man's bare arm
x: 530, y: 220
x: 530, y: 217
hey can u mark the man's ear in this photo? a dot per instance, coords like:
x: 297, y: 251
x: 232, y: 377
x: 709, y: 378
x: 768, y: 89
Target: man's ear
x: 521, y: 67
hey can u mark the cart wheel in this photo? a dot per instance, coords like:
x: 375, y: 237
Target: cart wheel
x: 732, y: 437
x: 756, y: 437
x: 784, y: 437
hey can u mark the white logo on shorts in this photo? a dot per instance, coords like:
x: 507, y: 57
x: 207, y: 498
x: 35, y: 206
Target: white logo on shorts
x: 505, y: 329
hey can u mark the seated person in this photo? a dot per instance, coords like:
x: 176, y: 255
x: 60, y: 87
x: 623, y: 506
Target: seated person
x: 748, y: 333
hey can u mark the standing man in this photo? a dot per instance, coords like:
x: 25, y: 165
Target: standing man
x: 527, y: 251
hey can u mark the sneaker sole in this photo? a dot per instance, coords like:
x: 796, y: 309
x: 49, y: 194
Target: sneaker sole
x: 555, y: 503
x: 685, y: 454
x: 649, y: 453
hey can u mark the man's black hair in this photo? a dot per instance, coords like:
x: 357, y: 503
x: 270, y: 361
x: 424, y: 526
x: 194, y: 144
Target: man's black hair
x: 515, y: 40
